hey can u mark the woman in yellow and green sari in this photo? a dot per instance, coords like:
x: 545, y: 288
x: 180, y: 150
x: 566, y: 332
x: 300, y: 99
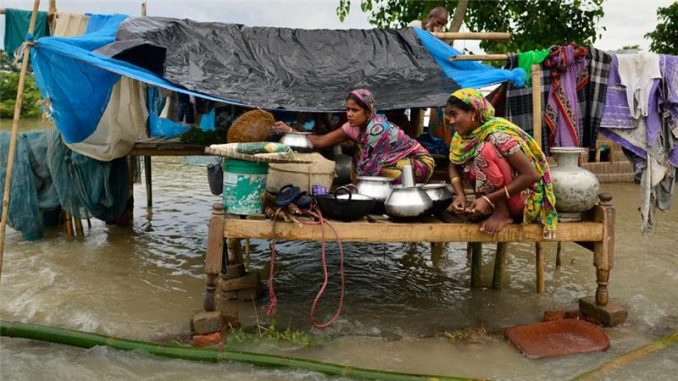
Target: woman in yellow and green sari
x: 502, y: 164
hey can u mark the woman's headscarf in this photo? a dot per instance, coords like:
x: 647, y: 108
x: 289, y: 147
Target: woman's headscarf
x: 367, y: 98
x: 540, y: 202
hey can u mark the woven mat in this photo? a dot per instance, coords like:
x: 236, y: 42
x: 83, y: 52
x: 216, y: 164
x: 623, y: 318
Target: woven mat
x: 224, y: 150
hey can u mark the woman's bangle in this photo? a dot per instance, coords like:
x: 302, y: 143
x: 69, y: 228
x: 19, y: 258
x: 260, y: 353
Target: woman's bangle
x: 508, y: 195
x: 488, y: 201
x: 455, y: 179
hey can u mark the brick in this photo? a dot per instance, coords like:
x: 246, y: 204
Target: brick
x: 209, y: 340
x: 554, y: 314
x: 207, y: 322
x: 609, y: 315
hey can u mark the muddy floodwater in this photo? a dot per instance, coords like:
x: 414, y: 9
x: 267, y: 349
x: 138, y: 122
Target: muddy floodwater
x: 405, y: 309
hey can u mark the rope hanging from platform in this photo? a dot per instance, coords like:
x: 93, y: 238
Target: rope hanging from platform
x: 314, y: 212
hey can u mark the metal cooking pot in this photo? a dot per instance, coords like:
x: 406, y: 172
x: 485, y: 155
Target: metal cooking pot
x: 343, y: 166
x: 345, y: 206
x: 407, y: 202
x: 440, y: 195
x: 298, y: 141
x: 379, y: 188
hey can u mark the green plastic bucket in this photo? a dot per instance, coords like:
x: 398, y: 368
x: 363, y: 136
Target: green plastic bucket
x: 244, y: 186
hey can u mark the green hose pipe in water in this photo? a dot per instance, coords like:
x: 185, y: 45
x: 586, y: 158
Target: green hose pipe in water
x: 89, y: 340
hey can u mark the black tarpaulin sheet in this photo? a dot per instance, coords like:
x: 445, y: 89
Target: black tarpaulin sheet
x: 293, y: 69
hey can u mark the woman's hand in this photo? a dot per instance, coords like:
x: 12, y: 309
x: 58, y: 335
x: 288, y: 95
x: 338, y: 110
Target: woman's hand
x: 281, y: 127
x: 479, y: 207
x: 459, y: 204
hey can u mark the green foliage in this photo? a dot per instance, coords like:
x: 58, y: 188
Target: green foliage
x: 533, y: 24
x: 296, y: 338
x: 665, y: 36
x: 9, y: 82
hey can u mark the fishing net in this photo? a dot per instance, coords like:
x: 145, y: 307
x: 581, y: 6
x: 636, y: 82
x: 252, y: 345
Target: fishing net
x: 252, y: 126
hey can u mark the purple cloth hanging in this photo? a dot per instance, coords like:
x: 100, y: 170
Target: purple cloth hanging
x: 616, y: 113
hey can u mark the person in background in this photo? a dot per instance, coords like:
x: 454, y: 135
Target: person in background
x: 382, y: 149
x: 502, y: 164
x: 436, y: 21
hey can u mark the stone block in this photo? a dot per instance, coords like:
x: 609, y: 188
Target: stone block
x: 609, y: 315
x: 234, y: 271
x: 249, y: 294
x: 210, y: 340
x: 250, y: 280
x: 204, y: 323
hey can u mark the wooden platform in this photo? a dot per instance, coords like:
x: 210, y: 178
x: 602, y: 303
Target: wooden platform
x: 595, y: 233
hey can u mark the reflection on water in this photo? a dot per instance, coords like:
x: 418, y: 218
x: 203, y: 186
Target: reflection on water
x: 146, y: 282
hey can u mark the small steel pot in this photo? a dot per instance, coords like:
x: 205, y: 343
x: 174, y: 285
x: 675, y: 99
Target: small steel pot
x: 298, y: 141
x: 407, y: 202
x: 440, y: 195
x: 379, y: 188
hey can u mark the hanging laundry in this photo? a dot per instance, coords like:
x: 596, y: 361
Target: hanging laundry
x: 616, y: 113
x: 568, y: 75
x: 650, y: 139
x: 529, y: 58
x: 16, y: 28
x: 598, y: 66
x: 70, y: 24
x: 518, y: 108
x: 669, y: 71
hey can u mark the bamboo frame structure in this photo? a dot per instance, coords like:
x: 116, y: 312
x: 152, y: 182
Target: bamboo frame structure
x: 15, y: 129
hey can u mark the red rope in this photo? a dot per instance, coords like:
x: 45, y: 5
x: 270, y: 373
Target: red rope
x: 273, y: 300
x: 321, y: 221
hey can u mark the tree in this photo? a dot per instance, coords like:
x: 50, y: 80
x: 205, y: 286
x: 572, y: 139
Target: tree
x: 533, y: 24
x: 665, y: 36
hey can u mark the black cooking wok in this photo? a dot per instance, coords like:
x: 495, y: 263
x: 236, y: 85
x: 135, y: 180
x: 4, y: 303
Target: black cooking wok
x: 345, y: 206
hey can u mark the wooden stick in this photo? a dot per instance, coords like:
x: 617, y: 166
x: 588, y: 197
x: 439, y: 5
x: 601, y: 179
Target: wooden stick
x: 476, y: 262
x: 479, y: 57
x: 68, y: 224
x: 79, y: 232
x: 143, y: 8
x: 472, y: 35
x: 536, y: 104
x: 15, y: 129
x: 540, y: 267
x: 458, y: 17
x: 499, y: 265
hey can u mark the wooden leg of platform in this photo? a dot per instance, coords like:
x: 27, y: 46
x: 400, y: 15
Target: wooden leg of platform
x: 436, y: 252
x: 499, y: 265
x: 149, y: 187
x: 214, y: 255
x: 476, y: 262
x: 559, y: 251
x: 539, y: 250
x: 79, y: 232
x: 603, y: 251
x: 68, y: 224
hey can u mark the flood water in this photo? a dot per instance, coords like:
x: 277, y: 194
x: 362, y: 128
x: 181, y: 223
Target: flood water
x: 145, y: 282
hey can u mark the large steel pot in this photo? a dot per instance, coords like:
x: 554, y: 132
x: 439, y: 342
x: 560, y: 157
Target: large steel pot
x: 298, y: 141
x: 379, y: 188
x: 440, y: 195
x: 407, y: 202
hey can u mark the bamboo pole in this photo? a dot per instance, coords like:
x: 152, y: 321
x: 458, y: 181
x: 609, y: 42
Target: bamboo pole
x: 665, y: 342
x: 90, y: 340
x: 539, y: 249
x: 499, y: 265
x: 147, y: 158
x: 15, y: 129
x: 476, y: 262
x: 479, y: 57
x: 472, y: 35
x: 536, y: 104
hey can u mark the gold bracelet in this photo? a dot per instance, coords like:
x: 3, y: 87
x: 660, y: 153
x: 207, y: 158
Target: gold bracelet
x: 455, y: 179
x: 488, y: 201
x: 508, y: 195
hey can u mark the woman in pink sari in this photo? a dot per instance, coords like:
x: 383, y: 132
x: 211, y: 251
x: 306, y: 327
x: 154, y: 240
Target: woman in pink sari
x: 382, y: 148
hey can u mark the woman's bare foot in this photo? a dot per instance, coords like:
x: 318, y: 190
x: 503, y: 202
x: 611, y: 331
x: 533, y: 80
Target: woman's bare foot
x: 495, y: 223
x: 499, y: 218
